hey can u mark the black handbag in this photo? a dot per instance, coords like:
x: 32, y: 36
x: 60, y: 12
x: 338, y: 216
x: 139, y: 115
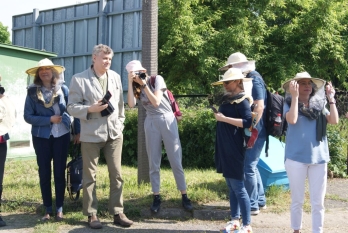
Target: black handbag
x: 74, y: 174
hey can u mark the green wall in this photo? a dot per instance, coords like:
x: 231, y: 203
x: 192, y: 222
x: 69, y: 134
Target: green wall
x: 14, y: 61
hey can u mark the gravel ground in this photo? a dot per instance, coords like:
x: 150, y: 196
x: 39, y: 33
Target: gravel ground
x: 336, y: 219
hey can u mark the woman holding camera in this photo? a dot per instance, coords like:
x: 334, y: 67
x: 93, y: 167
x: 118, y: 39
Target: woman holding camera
x: 45, y: 110
x: 160, y: 125
x: 233, y: 116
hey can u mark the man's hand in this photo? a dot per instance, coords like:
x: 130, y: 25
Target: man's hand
x: 97, y: 107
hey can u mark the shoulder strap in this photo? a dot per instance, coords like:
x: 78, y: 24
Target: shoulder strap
x: 153, y: 80
x: 152, y: 83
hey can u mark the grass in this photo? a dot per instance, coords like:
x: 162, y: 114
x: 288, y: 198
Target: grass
x: 22, y: 192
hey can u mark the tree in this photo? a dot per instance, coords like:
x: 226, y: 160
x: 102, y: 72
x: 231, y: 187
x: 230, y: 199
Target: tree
x: 4, y: 34
x: 284, y: 37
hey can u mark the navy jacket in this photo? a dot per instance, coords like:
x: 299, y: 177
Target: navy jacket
x: 36, y: 114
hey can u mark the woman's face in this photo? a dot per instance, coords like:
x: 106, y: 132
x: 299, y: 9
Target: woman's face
x: 231, y: 86
x: 305, y: 86
x: 45, y: 74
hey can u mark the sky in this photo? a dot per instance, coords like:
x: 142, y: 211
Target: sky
x: 18, y: 7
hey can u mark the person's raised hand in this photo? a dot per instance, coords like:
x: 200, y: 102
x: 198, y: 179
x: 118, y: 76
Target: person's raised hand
x: 293, y: 88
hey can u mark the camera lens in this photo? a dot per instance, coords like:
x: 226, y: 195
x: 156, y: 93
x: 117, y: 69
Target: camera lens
x: 142, y: 75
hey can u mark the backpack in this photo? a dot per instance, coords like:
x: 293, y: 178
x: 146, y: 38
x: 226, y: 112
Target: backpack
x: 74, y: 174
x: 275, y: 122
x: 174, y: 105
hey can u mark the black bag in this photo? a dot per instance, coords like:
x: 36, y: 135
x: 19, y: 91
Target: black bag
x: 74, y: 174
x: 275, y: 122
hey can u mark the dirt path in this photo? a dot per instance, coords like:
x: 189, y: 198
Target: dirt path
x: 336, y: 219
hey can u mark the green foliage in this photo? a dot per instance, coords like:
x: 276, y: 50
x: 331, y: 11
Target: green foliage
x: 337, y: 137
x: 284, y: 37
x: 130, y: 132
x: 4, y: 34
x: 197, y: 136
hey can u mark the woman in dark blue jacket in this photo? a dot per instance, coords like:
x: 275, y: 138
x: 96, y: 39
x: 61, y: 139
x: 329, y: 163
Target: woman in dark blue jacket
x: 45, y: 110
x: 233, y: 116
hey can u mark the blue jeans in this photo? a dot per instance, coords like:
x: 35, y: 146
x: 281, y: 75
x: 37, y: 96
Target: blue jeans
x: 252, y: 178
x: 239, y: 200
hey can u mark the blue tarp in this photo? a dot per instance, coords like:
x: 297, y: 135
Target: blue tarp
x: 272, y: 168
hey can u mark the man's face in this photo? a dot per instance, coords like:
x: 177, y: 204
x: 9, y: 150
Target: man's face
x: 102, y: 61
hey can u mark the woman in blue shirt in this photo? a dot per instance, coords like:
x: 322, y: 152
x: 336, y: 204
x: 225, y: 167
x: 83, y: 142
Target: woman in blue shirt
x: 233, y: 116
x: 45, y: 110
x: 306, y: 150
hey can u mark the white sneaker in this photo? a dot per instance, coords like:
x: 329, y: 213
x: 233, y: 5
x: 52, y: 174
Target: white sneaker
x: 246, y: 229
x: 263, y: 207
x: 254, y: 212
x: 231, y: 226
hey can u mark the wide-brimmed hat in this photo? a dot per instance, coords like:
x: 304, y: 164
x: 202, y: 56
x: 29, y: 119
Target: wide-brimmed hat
x: 45, y: 63
x: 232, y: 74
x: 235, y: 58
x: 317, y: 81
x: 134, y: 65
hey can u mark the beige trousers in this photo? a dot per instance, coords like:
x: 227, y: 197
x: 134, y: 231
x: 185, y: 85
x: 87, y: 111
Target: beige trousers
x: 112, y: 150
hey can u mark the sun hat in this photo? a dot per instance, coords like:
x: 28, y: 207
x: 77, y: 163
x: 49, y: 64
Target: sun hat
x: 45, y: 63
x: 134, y: 65
x: 317, y: 81
x: 231, y: 74
x: 235, y: 58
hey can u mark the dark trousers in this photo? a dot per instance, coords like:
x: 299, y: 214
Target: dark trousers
x: 46, y: 150
x: 3, y: 153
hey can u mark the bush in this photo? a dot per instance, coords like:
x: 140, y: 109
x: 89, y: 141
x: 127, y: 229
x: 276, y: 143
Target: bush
x: 336, y: 135
x: 197, y: 136
x: 130, y: 138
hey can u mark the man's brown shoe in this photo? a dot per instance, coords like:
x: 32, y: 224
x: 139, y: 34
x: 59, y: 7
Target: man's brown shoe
x: 121, y: 219
x: 95, y: 223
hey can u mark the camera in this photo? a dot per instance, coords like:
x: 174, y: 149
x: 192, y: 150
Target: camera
x: 141, y: 75
x: 106, y: 100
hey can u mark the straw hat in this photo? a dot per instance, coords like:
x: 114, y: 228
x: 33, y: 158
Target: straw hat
x: 134, y: 65
x: 232, y: 74
x: 45, y: 63
x: 317, y: 81
x: 235, y: 58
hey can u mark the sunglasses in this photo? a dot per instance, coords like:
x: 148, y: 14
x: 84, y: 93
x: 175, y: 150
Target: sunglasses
x: 228, y: 82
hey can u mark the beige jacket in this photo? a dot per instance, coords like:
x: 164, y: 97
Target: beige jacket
x: 84, y: 91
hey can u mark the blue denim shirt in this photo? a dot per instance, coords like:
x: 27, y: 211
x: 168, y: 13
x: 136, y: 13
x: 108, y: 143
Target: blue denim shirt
x: 36, y: 114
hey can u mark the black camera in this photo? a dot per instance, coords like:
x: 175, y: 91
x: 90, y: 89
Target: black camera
x: 110, y: 109
x: 141, y: 75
